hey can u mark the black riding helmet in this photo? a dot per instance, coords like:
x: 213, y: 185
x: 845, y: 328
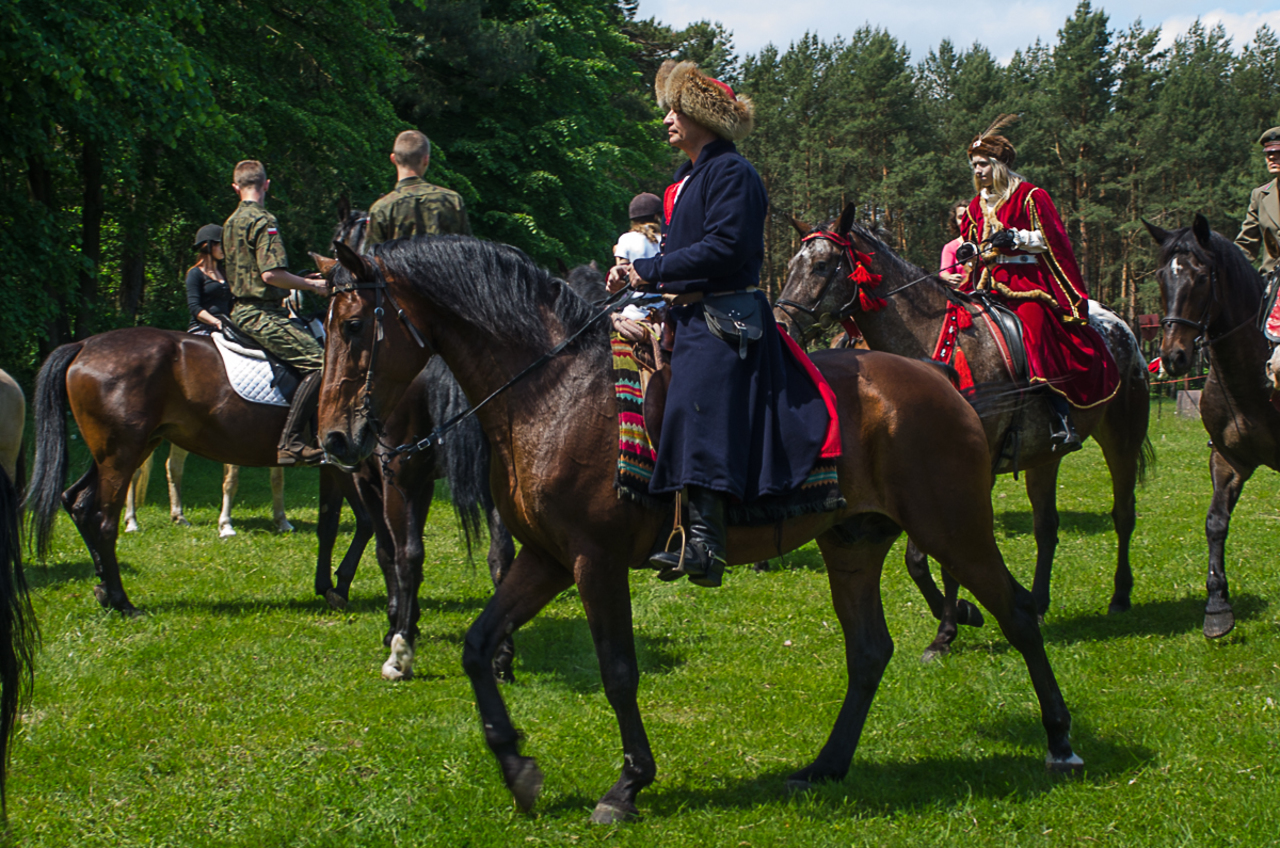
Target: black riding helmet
x: 208, y: 233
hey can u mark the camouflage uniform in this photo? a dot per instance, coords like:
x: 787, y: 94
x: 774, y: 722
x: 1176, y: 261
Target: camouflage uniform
x: 253, y: 246
x: 416, y: 207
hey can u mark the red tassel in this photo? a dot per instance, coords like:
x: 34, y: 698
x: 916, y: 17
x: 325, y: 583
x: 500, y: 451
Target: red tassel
x: 964, y: 320
x: 867, y: 303
x: 862, y: 275
x: 961, y: 363
x: 851, y: 328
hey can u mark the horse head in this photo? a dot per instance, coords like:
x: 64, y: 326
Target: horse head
x: 373, y: 351
x: 353, y: 226
x: 1190, y: 263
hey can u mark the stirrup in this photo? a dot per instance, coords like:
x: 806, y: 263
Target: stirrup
x: 303, y: 456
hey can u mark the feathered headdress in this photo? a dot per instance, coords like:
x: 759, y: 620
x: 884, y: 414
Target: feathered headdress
x: 682, y: 87
x: 988, y: 143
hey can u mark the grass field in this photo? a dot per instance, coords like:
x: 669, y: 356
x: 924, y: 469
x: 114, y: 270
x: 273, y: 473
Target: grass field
x: 242, y: 712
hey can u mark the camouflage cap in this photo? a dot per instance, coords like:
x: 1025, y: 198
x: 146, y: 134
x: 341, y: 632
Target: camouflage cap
x: 1270, y: 139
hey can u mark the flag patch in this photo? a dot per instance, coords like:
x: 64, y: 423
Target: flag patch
x: 271, y: 231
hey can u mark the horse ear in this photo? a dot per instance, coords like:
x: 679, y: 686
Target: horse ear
x: 846, y: 219
x: 593, y: 265
x: 360, y: 267
x: 324, y: 264
x: 1202, y: 231
x: 563, y: 268
x: 1160, y: 235
x: 344, y: 208
x: 800, y: 226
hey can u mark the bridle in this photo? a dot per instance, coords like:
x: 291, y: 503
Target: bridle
x: 858, y: 301
x: 1202, y: 338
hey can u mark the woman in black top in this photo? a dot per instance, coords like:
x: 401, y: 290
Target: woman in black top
x: 208, y: 297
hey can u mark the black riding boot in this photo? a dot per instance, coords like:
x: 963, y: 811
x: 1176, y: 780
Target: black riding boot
x: 1063, y: 435
x: 293, y: 448
x: 704, y: 555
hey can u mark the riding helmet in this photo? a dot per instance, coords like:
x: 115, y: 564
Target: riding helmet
x: 208, y: 233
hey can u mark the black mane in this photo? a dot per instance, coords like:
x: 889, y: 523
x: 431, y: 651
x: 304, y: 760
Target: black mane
x: 888, y: 260
x: 1222, y: 252
x: 497, y: 287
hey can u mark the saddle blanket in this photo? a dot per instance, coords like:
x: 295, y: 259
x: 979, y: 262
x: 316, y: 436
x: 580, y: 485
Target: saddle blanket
x: 249, y: 372
x: 820, y: 491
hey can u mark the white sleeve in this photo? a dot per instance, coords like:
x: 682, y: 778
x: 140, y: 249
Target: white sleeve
x: 1032, y: 241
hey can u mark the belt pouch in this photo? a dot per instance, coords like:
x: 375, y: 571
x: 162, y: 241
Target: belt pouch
x: 734, y: 317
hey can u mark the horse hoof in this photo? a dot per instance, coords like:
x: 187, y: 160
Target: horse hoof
x: 526, y: 785
x: 131, y: 526
x: 798, y: 784
x: 1118, y: 606
x: 934, y: 651
x: 612, y: 814
x: 336, y: 601
x: 226, y: 532
x: 181, y: 521
x: 1071, y: 765
x: 104, y: 598
x: 1219, y: 624
x: 284, y: 527
x: 392, y: 672
x: 399, y: 666
x: 969, y: 614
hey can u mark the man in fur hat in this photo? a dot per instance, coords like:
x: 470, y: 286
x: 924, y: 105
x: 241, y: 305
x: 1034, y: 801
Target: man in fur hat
x: 1029, y: 264
x: 742, y: 418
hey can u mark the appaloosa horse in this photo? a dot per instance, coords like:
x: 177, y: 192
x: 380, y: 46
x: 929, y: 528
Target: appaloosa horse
x: 910, y: 322
x: 1211, y: 298
x: 19, y: 636
x: 914, y: 457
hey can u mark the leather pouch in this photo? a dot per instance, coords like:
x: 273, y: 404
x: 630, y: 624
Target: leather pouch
x: 735, y: 317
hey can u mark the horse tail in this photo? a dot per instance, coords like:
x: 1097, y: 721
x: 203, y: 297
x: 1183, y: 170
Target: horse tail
x: 463, y: 453
x: 49, y: 474
x: 1146, y: 460
x: 19, y: 634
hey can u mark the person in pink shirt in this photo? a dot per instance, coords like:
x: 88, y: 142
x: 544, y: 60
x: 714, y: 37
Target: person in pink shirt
x: 952, y: 273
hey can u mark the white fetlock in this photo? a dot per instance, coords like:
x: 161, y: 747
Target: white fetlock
x: 283, y: 526
x: 131, y: 525
x: 399, y: 666
x: 225, y: 531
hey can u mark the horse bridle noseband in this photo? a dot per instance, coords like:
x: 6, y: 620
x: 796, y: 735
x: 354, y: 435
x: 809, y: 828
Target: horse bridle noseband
x: 847, y: 257
x: 1202, y: 326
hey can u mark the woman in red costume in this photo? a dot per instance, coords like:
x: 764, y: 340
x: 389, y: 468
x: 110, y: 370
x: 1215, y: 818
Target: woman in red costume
x: 1030, y: 266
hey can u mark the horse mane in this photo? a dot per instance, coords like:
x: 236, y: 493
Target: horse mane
x: 897, y: 265
x: 1222, y: 252
x: 496, y: 286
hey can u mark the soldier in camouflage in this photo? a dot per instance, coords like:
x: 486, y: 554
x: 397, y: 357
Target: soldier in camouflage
x: 415, y: 206
x: 258, y: 275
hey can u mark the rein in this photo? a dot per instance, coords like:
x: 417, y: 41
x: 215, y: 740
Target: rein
x: 1203, y: 339
x: 437, y: 435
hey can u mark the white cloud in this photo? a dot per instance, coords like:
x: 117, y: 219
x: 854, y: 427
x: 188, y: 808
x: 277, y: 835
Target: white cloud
x: 1240, y: 26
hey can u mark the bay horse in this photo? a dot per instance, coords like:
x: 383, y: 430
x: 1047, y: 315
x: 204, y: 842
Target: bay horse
x: 1211, y: 297
x: 490, y: 313
x: 174, y: 466
x: 19, y: 634
x: 910, y: 324
x: 129, y: 389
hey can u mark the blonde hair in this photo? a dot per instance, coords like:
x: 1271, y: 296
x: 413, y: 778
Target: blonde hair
x: 649, y: 227
x: 411, y: 149
x: 249, y: 172
x: 1003, y: 181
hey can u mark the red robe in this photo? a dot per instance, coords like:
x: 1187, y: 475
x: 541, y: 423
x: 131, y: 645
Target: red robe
x: 1063, y: 351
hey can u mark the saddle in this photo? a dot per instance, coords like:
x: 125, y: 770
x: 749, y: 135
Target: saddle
x: 1006, y: 329
x: 255, y: 373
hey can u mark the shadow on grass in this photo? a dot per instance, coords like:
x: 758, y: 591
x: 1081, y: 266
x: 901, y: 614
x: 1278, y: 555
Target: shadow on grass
x: 1022, y: 523
x: 884, y: 787
x: 56, y: 574
x: 1158, y: 618
x: 561, y: 650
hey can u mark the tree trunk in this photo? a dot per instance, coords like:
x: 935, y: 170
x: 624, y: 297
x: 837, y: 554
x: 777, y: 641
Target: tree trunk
x: 57, y: 329
x: 90, y: 237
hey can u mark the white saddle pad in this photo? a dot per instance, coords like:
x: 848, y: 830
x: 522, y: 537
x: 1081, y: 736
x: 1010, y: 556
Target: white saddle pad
x: 249, y: 372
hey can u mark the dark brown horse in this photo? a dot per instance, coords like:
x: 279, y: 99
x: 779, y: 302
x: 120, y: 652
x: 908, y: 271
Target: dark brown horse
x: 490, y: 313
x: 397, y: 488
x: 1211, y: 297
x: 128, y: 390
x: 818, y: 292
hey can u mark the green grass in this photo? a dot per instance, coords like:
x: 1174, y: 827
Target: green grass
x: 241, y: 712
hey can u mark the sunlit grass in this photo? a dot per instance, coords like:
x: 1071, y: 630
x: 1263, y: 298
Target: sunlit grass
x: 241, y: 711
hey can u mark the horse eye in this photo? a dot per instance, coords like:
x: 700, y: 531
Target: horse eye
x: 353, y: 328
x: 822, y: 267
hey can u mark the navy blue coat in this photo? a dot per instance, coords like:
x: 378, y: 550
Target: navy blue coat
x: 745, y: 427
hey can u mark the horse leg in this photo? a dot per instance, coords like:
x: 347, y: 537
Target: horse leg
x: 404, y: 518
x: 607, y: 600
x: 1228, y: 481
x: 853, y: 571
x: 173, y: 468
x: 359, y: 541
x: 94, y: 503
x: 1123, y: 466
x: 230, y: 484
x: 277, y: 501
x: 137, y: 495
x: 533, y: 581
x: 502, y: 550
x: 330, y: 512
x: 1042, y: 491
x: 947, y: 607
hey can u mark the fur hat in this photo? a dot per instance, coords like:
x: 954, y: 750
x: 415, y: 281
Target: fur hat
x: 988, y: 143
x: 681, y: 87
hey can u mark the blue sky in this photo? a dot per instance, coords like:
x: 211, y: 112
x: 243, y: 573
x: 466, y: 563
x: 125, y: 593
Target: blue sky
x: 922, y: 24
